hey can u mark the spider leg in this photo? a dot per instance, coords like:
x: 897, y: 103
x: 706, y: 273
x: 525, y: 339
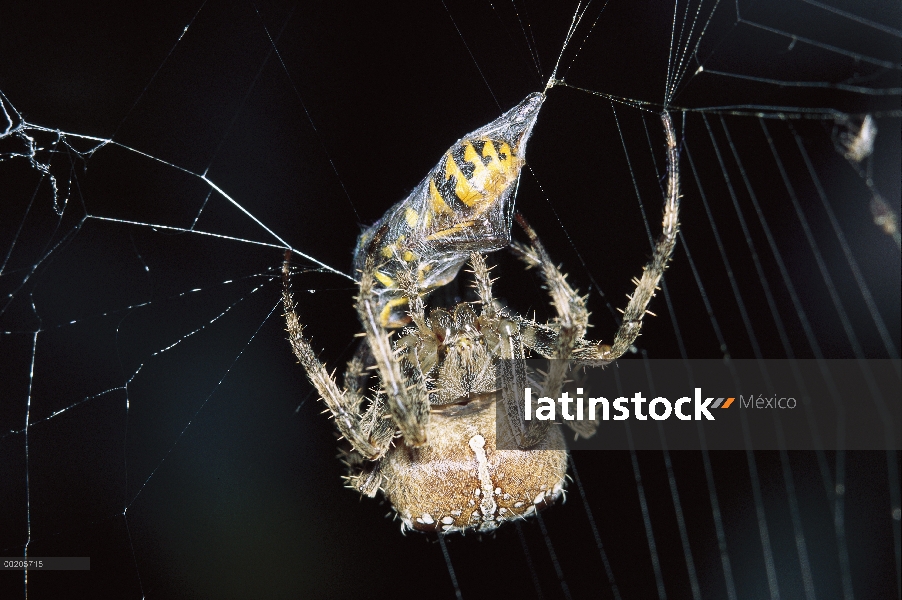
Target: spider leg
x: 545, y: 340
x: 555, y: 343
x: 408, y: 407
x: 374, y: 419
x: 420, y: 350
x: 356, y: 375
x: 343, y: 404
x: 572, y: 315
x: 483, y: 284
x: 513, y: 379
x: 654, y: 270
x: 565, y: 340
x: 375, y: 423
x: 505, y: 336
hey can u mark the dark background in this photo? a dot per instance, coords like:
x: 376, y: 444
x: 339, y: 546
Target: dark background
x: 206, y: 470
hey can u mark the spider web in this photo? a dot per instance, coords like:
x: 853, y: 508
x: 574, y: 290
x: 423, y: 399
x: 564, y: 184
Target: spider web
x: 156, y: 165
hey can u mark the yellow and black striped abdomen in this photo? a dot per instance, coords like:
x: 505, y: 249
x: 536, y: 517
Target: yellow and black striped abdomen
x: 471, y: 178
x: 464, y: 205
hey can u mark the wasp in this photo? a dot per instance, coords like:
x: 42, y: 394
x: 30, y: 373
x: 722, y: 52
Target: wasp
x: 464, y: 205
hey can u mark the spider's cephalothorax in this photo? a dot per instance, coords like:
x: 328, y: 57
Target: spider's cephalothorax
x: 428, y: 437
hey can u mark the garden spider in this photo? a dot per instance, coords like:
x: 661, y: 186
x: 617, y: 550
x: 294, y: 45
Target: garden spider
x: 427, y: 437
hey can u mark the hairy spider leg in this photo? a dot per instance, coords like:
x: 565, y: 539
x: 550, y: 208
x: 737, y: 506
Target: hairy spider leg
x: 653, y: 271
x: 367, y: 436
x: 564, y: 341
x: 511, y: 368
x: 572, y: 314
x: 409, y: 405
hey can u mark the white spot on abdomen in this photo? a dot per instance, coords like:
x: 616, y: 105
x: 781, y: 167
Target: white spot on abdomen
x: 487, y: 504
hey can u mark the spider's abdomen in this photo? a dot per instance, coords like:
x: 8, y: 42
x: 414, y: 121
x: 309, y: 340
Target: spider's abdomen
x: 461, y: 480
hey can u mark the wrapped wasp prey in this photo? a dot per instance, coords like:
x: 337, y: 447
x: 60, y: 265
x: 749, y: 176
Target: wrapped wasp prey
x: 464, y: 205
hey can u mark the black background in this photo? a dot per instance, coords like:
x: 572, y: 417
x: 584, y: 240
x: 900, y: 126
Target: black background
x: 210, y: 473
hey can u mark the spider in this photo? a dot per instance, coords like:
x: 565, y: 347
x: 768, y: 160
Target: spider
x: 427, y: 436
